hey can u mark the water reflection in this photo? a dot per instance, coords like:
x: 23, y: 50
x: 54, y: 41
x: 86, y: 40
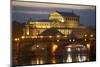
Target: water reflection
x: 54, y: 60
x: 69, y: 58
x: 58, y: 54
x: 80, y: 58
x: 37, y: 61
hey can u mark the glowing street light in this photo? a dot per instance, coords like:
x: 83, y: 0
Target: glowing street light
x: 85, y: 39
x: 85, y: 35
x: 70, y: 40
x: 58, y: 36
x: 22, y: 37
x: 54, y: 47
x: 41, y: 36
x: 57, y: 40
x: 42, y: 48
x: 50, y: 36
x: 91, y: 35
x: 69, y: 49
x: 37, y: 46
x: 88, y: 46
x: 33, y: 36
x: 16, y: 39
x: 27, y: 32
x: 73, y: 40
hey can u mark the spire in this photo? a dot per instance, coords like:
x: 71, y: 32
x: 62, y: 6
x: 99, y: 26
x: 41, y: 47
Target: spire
x: 29, y: 20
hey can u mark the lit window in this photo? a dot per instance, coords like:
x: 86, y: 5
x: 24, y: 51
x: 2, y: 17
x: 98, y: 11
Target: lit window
x: 69, y: 49
x: 57, y: 40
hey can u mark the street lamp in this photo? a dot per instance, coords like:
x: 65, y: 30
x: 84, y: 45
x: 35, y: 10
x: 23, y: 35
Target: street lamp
x: 58, y: 36
x: 85, y: 39
x: 70, y: 40
x: 91, y: 35
x: 73, y: 40
x: 22, y: 37
x: 41, y: 36
x: 37, y: 46
x: 50, y: 36
x: 85, y: 35
x: 54, y: 47
x: 16, y: 39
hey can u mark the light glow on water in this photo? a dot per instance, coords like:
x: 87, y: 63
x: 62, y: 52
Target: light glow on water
x: 69, y: 58
x: 41, y: 61
x: 81, y: 58
x: 54, y: 47
x: 53, y: 60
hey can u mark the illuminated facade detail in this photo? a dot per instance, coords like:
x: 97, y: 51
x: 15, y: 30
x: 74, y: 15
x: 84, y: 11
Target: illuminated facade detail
x: 64, y: 22
x: 23, y: 37
x: 65, y: 31
x: 40, y: 24
x: 56, y: 17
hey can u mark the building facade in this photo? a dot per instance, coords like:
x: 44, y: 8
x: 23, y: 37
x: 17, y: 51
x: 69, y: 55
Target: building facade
x: 64, y: 22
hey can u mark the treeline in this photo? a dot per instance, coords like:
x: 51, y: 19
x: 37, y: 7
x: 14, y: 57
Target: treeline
x: 17, y: 29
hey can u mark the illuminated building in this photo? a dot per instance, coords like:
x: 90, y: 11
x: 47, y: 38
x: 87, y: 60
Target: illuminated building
x: 64, y: 22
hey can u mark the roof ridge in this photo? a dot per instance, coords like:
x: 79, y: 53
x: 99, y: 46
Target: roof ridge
x: 67, y: 13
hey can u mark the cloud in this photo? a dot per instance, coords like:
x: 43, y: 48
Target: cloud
x: 46, y: 5
x: 31, y: 12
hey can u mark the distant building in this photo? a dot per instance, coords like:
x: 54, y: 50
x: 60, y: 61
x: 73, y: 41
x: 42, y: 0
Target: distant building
x: 64, y: 22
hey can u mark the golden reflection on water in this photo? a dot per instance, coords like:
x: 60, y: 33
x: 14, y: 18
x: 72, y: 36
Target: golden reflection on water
x: 69, y: 58
x: 54, y: 47
x: 38, y: 61
x: 80, y: 58
x: 54, y: 60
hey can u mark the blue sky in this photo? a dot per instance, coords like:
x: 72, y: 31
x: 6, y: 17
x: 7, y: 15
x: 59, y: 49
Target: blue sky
x: 22, y: 11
